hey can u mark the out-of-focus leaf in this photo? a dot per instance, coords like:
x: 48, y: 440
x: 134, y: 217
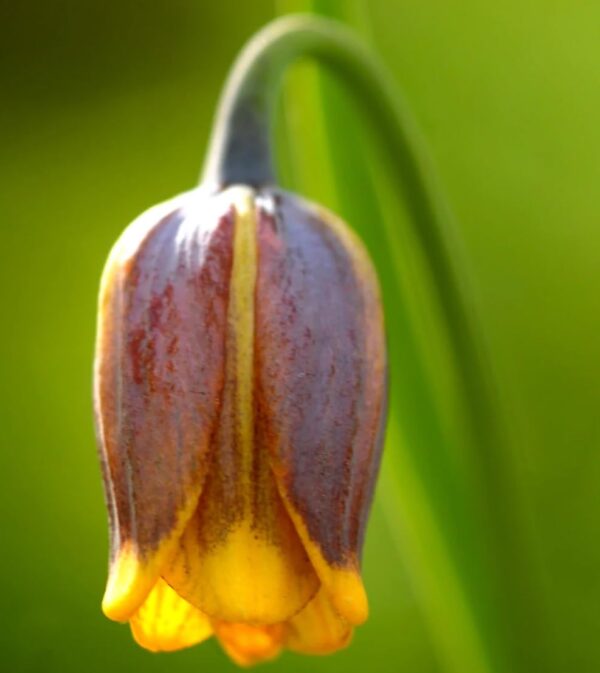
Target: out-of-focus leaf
x: 434, y: 479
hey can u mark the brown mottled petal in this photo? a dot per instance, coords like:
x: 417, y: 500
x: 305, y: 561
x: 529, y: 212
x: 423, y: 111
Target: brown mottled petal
x: 158, y: 381
x: 320, y: 384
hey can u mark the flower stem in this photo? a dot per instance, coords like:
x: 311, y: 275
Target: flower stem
x: 240, y: 148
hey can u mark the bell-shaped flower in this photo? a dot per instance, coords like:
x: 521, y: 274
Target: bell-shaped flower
x: 240, y: 398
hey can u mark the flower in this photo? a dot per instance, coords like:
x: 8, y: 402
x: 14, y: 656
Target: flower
x: 240, y: 399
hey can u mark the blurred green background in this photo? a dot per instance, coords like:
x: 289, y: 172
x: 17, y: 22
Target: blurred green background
x: 105, y: 109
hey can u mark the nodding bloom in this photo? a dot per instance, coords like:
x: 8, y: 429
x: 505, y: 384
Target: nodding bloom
x: 240, y: 399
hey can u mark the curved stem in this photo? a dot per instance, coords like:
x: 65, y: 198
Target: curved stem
x: 240, y: 147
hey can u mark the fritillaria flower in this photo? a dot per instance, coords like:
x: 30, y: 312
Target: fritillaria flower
x: 240, y: 402
x: 240, y: 380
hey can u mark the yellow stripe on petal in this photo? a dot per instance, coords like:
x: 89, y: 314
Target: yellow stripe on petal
x: 240, y: 342
x: 318, y: 629
x: 166, y: 622
x: 240, y: 558
x: 248, y: 645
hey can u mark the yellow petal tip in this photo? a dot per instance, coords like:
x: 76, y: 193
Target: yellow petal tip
x: 129, y: 582
x: 247, y: 645
x: 318, y: 628
x: 348, y: 596
x: 342, y: 583
x: 166, y: 622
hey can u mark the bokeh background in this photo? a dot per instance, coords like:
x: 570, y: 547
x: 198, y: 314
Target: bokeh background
x: 105, y: 109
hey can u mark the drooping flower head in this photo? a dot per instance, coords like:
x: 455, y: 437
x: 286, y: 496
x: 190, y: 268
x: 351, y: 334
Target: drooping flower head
x: 240, y: 398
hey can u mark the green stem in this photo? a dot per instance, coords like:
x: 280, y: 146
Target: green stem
x: 240, y: 149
